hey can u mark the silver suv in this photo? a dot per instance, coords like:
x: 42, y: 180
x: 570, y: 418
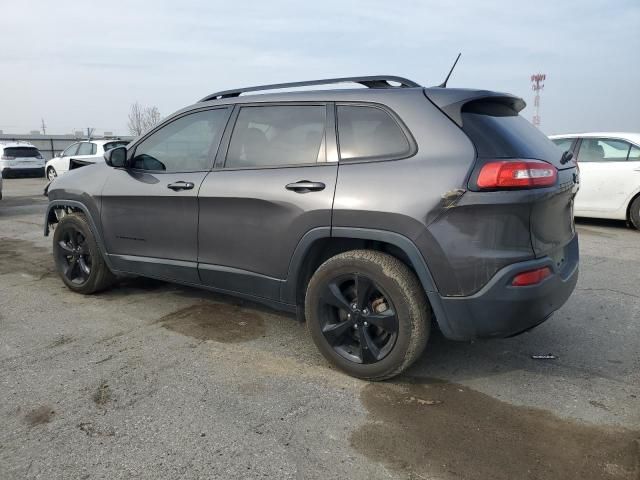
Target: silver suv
x: 371, y: 212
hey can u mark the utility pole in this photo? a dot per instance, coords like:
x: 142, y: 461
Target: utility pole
x: 537, y: 85
x: 89, y: 132
x: 44, y: 127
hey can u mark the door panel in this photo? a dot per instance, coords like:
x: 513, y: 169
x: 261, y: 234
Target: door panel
x: 142, y: 217
x: 606, y: 177
x: 274, y: 185
x: 250, y: 221
x: 150, y: 210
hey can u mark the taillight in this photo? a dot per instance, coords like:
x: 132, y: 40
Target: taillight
x: 39, y: 156
x: 7, y: 157
x: 517, y: 174
x: 531, y: 277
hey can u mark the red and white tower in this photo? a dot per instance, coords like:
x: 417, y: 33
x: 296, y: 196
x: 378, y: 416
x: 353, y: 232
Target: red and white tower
x: 537, y: 85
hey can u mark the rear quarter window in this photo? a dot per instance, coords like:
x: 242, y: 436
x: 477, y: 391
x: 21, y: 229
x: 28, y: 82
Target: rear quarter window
x: 366, y: 132
x: 497, y: 131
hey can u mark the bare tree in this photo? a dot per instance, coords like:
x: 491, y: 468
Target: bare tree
x: 142, y: 118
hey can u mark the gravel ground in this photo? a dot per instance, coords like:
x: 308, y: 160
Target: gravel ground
x: 153, y: 380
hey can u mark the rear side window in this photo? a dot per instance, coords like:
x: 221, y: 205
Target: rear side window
x: 21, y: 152
x: 497, y: 131
x: 277, y: 135
x: 603, y: 150
x: 634, y: 154
x: 369, y: 133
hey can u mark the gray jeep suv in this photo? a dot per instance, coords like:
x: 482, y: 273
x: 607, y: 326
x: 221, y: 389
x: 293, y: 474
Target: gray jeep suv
x: 371, y: 212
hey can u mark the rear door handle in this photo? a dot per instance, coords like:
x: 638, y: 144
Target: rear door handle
x: 304, y: 186
x: 177, y: 186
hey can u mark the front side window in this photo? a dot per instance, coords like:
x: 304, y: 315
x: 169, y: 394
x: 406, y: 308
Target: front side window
x: 277, y: 135
x: 84, y: 149
x: 603, y: 150
x: 71, y: 150
x: 369, y: 133
x: 184, y: 145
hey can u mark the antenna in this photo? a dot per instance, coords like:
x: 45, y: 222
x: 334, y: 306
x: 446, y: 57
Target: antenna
x: 537, y: 85
x: 444, y: 84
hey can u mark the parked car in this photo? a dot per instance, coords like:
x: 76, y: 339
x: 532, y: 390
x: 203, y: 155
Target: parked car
x: 609, y: 174
x: 20, y: 158
x: 88, y: 151
x: 370, y: 212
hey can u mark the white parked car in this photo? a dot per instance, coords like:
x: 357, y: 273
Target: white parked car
x: 20, y: 158
x: 609, y: 166
x: 88, y: 151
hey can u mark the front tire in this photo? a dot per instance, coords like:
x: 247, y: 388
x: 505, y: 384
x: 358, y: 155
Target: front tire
x: 368, y: 314
x: 634, y: 213
x: 78, y: 259
x: 51, y: 174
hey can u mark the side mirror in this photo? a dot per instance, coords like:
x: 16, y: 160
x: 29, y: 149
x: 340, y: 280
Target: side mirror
x: 59, y: 154
x: 116, y: 157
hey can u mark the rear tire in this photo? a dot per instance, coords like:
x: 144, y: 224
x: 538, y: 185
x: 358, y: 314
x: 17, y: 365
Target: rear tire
x: 368, y: 314
x: 634, y: 213
x: 78, y: 259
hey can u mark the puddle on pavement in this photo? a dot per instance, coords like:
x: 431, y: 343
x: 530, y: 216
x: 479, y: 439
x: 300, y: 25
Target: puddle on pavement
x: 20, y: 256
x: 447, y: 430
x: 39, y: 416
x: 216, y: 321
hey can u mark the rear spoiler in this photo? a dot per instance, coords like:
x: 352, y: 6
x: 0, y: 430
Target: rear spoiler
x: 451, y: 100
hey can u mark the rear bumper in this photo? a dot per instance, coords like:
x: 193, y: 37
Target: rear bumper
x: 501, y: 310
x: 22, y: 171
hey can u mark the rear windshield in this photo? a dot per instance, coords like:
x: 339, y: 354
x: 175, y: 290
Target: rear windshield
x: 499, y: 132
x: 110, y: 145
x: 21, y: 152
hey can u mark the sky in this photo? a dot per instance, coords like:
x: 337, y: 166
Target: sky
x: 82, y: 64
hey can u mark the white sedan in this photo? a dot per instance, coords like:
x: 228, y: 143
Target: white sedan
x: 609, y: 166
x: 86, y: 150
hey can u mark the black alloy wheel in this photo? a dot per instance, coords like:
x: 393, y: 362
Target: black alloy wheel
x: 74, y: 255
x: 358, y: 318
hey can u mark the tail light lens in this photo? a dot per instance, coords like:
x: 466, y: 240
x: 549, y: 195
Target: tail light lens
x: 39, y: 156
x: 517, y: 174
x: 7, y: 157
x: 531, y: 277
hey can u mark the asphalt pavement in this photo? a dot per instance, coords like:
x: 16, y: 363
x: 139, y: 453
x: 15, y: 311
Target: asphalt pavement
x: 153, y: 380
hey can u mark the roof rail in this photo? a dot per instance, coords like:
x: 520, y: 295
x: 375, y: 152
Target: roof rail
x: 378, y: 81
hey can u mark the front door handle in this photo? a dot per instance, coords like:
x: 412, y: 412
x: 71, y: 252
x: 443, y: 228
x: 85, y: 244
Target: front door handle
x: 177, y: 186
x: 304, y: 186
